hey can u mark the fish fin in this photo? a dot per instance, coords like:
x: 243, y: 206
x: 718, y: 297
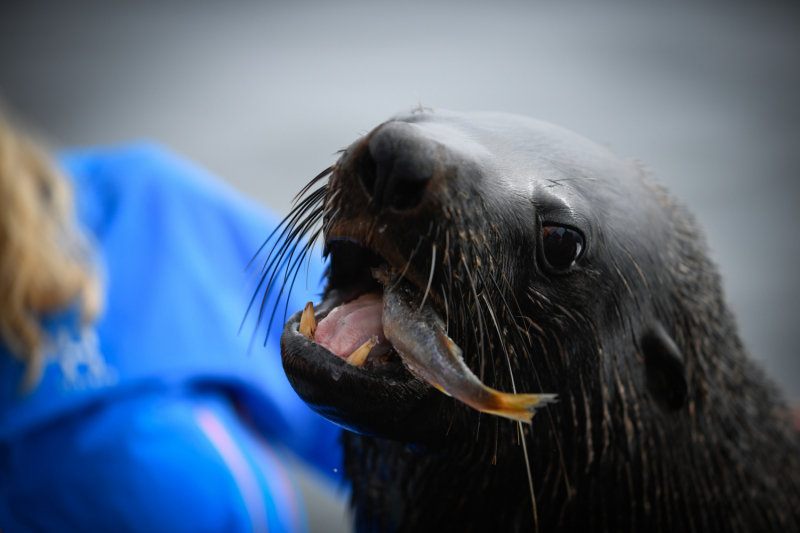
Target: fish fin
x: 452, y: 347
x: 514, y: 406
x: 441, y: 389
x: 520, y: 406
x: 453, y: 350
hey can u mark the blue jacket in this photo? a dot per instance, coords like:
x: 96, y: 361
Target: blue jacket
x: 174, y: 244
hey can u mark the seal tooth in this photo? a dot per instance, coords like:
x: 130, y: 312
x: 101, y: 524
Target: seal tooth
x: 308, y: 324
x: 360, y: 354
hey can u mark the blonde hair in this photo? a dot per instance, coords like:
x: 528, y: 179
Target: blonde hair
x: 44, y: 266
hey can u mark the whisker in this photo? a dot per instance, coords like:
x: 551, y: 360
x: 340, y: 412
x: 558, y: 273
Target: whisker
x: 530, y: 477
x: 283, y: 287
x: 331, y: 220
x: 311, y: 183
x: 264, y: 275
x: 289, y: 244
x: 285, y: 254
x: 311, y: 253
x: 430, y: 278
x: 508, y: 285
x: 522, y: 433
x: 410, y: 257
x: 514, y: 321
x: 483, y: 296
x: 293, y: 214
x: 480, y: 322
x: 302, y: 210
x: 500, y: 337
x: 446, y: 310
x: 267, y: 292
x: 304, y: 252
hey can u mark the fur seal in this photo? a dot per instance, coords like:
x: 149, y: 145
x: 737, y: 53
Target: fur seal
x: 557, y: 267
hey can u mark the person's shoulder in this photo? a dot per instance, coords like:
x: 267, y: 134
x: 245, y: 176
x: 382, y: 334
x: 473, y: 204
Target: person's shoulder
x: 142, y: 164
x: 138, y: 161
x: 146, y: 173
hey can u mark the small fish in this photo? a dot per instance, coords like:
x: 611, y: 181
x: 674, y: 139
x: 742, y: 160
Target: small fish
x: 418, y: 336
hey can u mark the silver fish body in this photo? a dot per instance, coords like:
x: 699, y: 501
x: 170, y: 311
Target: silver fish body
x: 419, y: 337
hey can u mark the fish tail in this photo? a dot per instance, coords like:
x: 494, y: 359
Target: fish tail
x: 520, y: 406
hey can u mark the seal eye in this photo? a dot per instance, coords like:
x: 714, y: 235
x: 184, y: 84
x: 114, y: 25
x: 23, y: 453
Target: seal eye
x: 561, y: 246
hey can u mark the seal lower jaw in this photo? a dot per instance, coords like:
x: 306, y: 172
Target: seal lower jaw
x: 377, y: 398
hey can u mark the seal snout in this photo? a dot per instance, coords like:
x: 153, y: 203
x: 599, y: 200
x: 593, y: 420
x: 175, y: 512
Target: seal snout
x: 397, y: 166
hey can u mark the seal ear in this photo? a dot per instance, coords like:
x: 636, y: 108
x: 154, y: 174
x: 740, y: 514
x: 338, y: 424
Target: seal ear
x: 665, y: 367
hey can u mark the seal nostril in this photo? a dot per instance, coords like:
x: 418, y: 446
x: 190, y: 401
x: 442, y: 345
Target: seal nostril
x: 367, y: 172
x: 407, y: 193
x: 397, y: 166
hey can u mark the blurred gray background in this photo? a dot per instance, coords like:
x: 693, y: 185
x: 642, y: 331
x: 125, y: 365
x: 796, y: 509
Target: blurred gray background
x: 263, y: 94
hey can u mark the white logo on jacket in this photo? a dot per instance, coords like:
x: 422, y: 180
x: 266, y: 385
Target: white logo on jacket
x: 81, y: 361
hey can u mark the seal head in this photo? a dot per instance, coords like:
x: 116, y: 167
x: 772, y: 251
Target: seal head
x: 557, y: 267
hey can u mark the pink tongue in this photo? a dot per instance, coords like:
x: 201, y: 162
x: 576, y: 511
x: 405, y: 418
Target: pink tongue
x: 350, y: 325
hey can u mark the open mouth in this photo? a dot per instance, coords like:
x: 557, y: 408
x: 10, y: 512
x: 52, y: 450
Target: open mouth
x: 339, y: 361
x: 348, y: 322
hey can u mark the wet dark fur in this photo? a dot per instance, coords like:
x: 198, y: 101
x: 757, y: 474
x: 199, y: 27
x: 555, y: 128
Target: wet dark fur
x: 626, y: 448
